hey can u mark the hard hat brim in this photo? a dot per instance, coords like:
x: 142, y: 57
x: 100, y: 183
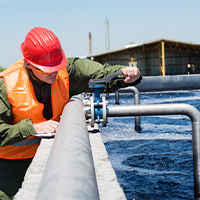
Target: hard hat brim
x: 61, y: 64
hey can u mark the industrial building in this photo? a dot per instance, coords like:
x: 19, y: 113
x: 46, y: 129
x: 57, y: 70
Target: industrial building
x: 161, y: 57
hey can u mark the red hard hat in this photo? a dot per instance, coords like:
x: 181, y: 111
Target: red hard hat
x: 42, y: 49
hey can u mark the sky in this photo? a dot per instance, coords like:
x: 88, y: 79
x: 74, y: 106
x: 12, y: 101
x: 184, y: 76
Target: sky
x: 137, y: 21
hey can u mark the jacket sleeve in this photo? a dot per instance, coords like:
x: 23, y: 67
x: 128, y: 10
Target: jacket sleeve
x: 9, y: 133
x: 82, y: 70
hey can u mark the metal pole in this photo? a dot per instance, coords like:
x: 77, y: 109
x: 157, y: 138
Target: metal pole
x: 169, y: 109
x: 196, y: 158
x: 107, y: 36
x: 90, y: 44
x: 136, y: 94
x: 117, y: 97
x: 163, y: 57
x: 70, y: 173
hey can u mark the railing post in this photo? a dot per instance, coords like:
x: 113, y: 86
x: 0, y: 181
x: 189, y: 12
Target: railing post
x: 168, y: 109
x: 196, y: 157
x: 136, y: 94
x: 69, y: 172
x: 117, y: 97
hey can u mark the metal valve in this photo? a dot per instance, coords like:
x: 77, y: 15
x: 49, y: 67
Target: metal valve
x: 98, y: 106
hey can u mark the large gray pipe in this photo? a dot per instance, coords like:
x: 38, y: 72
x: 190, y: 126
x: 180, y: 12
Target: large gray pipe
x: 174, y: 82
x: 69, y: 172
x: 168, y: 109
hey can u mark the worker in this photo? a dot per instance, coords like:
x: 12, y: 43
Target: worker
x: 33, y: 93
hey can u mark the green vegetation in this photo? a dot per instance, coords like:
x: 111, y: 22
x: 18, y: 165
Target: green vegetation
x: 1, y: 68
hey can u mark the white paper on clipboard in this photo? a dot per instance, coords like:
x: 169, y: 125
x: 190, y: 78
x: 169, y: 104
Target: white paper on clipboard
x: 45, y: 135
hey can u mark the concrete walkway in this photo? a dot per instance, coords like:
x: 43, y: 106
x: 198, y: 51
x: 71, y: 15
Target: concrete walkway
x: 109, y: 188
x: 35, y: 171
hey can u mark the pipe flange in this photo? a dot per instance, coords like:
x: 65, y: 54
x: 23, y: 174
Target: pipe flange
x: 92, y: 110
x: 104, y: 111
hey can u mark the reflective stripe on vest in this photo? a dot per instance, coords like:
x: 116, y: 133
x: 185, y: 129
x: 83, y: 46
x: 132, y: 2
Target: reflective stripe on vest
x: 21, y: 96
x: 20, y: 149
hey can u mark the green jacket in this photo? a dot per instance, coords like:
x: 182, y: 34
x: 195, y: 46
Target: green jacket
x: 80, y: 72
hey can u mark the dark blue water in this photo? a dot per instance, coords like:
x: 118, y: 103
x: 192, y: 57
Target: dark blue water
x: 156, y: 163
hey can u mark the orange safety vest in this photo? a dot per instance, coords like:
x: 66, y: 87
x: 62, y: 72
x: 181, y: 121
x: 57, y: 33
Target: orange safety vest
x: 21, y: 96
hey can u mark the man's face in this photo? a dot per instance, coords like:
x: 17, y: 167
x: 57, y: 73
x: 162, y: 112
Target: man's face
x: 45, y: 77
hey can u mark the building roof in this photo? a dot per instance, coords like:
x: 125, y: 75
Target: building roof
x: 153, y: 45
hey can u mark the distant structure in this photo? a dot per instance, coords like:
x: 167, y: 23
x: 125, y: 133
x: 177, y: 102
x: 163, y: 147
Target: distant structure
x: 90, y: 43
x: 107, y: 36
x: 156, y: 58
